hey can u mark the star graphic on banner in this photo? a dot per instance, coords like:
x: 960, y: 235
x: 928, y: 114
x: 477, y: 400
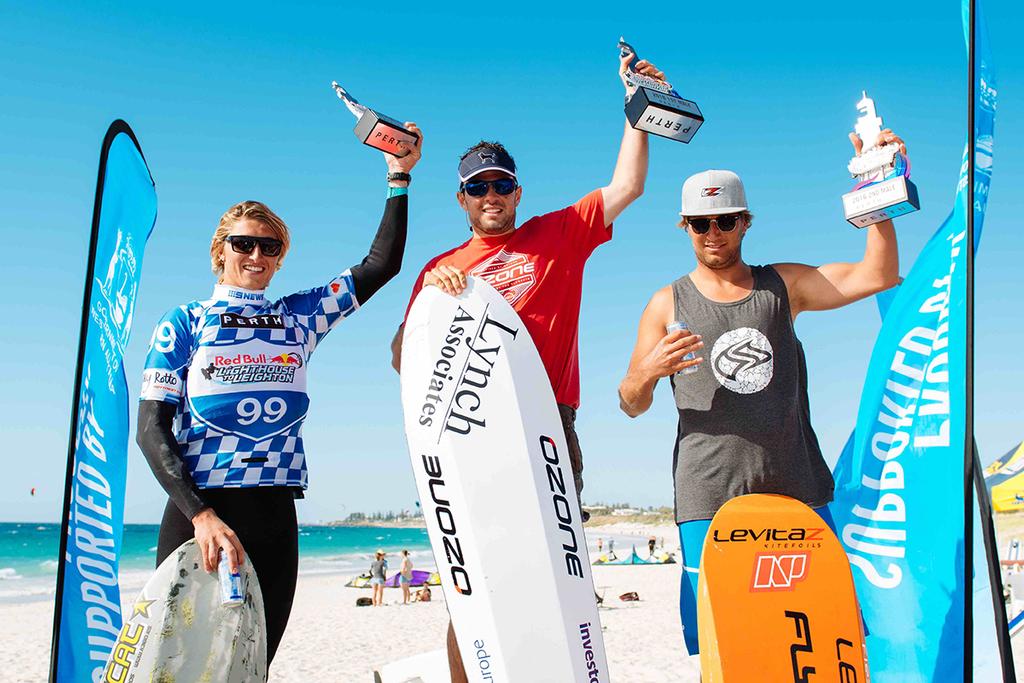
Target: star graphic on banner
x: 142, y: 607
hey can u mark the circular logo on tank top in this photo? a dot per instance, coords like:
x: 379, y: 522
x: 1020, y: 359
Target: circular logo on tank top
x: 743, y: 361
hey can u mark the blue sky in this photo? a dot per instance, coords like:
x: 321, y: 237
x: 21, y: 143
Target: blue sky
x: 233, y: 102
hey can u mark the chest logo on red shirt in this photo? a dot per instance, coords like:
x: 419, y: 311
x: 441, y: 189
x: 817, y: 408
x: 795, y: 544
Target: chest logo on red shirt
x: 511, y: 273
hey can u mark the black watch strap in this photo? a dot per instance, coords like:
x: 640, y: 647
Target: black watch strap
x: 399, y: 176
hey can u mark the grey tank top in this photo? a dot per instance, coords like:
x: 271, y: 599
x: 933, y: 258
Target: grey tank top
x: 744, y: 416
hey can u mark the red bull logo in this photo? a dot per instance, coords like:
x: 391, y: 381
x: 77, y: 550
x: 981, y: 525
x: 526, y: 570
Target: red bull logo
x: 288, y: 359
x: 247, y: 368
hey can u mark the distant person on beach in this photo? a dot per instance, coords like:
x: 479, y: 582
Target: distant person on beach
x: 600, y: 544
x: 378, y: 577
x: 651, y: 542
x: 423, y: 594
x: 553, y: 249
x: 405, y: 576
x: 744, y: 415
x: 224, y: 392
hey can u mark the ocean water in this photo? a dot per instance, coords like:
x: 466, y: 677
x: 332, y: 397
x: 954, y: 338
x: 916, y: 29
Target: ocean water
x: 28, y: 554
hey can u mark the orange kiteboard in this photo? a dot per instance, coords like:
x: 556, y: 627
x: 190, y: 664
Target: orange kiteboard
x: 776, y: 598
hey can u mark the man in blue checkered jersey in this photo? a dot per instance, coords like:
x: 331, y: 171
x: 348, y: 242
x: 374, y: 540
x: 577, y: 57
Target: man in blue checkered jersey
x: 235, y: 364
x: 224, y: 393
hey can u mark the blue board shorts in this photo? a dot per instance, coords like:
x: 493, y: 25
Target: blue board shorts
x: 376, y: 581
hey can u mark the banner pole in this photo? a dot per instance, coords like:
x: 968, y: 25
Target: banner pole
x: 995, y: 578
x: 968, y: 481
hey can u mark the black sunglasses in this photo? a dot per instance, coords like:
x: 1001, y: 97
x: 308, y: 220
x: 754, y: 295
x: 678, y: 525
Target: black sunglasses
x: 243, y: 244
x: 725, y: 223
x: 478, y: 188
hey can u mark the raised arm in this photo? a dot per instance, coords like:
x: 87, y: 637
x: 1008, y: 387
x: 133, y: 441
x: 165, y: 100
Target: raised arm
x: 655, y: 355
x: 627, y: 182
x: 384, y: 260
x: 837, y: 284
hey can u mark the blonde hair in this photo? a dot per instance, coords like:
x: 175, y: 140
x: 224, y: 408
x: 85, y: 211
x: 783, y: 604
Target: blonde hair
x: 747, y: 217
x: 249, y: 210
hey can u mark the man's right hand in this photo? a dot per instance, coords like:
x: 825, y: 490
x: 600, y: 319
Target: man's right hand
x: 656, y: 354
x: 449, y: 279
x: 212, y: 536
x: 666, y: 358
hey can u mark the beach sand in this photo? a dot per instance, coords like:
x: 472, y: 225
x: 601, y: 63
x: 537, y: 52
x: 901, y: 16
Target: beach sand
x: 330, y: 639
x: 335, y: 641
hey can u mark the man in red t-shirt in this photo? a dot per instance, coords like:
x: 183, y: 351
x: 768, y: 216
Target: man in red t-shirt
x: 538, y: 267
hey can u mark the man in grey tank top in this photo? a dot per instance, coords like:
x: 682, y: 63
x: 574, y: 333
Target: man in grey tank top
x: 738, y: 373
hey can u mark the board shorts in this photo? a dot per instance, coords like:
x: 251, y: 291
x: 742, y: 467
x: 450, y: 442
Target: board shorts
x: 403, y: 579
x: 376, y: 581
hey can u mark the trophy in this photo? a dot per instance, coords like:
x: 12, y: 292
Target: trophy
x: 375, y: 129
x: 883, y: 188
x: 655, y: 107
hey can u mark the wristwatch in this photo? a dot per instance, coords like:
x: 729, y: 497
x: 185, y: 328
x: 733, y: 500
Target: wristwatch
x: 401, y: 175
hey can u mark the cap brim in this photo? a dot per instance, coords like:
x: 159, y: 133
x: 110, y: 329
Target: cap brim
x: 478, y: 171
x: 713, y: 211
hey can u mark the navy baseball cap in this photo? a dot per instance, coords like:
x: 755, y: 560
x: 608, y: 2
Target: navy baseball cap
x: 486, y: 160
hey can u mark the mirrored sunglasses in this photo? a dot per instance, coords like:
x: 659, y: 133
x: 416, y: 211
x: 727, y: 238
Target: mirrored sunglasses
x: 244, y: 244
x: 478, y: 188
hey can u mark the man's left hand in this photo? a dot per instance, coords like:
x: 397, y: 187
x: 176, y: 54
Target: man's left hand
x: 642, y: 67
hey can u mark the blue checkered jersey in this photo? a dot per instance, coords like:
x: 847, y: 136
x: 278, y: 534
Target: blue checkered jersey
x: 235, y: 365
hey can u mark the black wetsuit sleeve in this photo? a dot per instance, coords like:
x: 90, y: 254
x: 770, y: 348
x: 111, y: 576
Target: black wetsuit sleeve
x: 156, y: 439
x: 385, y: 257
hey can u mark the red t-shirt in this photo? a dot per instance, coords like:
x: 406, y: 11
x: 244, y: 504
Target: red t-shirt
x: 538, y: 268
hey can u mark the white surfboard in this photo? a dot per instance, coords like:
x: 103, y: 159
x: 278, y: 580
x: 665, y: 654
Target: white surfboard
x: 177, y: 629
x: 493, y: 473
x: 429, y: 667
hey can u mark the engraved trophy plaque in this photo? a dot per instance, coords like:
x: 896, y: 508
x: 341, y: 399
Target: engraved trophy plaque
x: 655, y: 107
x: 883, y: 188
x: 373, y: 128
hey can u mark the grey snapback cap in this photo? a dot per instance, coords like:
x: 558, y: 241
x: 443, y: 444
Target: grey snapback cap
x: 713, y: 192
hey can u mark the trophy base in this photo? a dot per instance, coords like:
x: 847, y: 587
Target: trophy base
x: 663, y: 114
x: 882, y: 201
x: 383, y: 133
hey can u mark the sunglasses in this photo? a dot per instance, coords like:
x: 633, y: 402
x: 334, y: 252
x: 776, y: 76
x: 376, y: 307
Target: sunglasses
x: 243, y: 244
x: 725, y: 223
x: 478, y: 188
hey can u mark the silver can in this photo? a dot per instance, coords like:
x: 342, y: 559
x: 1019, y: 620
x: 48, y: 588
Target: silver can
x: 680, y: 326
x: 232, y: 588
